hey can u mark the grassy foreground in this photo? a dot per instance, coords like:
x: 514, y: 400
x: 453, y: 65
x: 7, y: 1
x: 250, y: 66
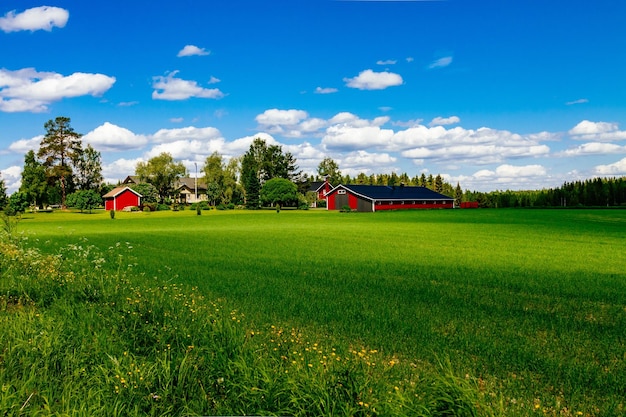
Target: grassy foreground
x: 527, y: 306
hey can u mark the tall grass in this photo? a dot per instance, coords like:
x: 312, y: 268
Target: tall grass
x: 529, y: 304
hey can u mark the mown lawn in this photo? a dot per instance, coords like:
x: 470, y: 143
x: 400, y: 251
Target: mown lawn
x: 532, y: 302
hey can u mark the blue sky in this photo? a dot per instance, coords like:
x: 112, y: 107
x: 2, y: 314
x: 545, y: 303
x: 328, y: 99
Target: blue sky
x: 494, y: 95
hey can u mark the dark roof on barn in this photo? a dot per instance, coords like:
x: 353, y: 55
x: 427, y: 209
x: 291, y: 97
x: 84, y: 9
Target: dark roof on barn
x: 386, y: 192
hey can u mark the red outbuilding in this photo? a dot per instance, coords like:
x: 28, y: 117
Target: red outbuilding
x: 121, y: 197
x: 383, y: 197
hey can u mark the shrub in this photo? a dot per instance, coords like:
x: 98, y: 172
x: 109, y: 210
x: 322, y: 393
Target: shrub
x: 345, y: 209
x: 112, y: 213
x: 221, y: 206
x: 163, y: 207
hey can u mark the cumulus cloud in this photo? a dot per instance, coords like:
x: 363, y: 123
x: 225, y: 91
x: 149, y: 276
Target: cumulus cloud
x: 366, y: 160
x: 27, y: 90
x: 594, y: 148
x: 443, y: 121
x: 110, y: 137
x: 326, y: 90
x: 24, y: 145
x: 204, y: 134
x: 119, y: 169
x: 370, y: 80
x: 441, y: 62
x: 597, y: 131
x: 289, y: 123
x: 418, y: 142
x: 191, y: 50
x: 12, y: 177
x: 171, y: 88
x: 506, y: 177
x: 37, y: 18
x: 617, y: 168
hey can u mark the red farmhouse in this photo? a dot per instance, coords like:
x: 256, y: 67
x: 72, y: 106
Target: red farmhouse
x: 320, y: 188
x: 383, y: 197
x: 121, y: 197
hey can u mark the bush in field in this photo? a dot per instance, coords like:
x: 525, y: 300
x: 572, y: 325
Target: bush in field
x: 18, y: 203
x: 84, y: 200
x: 279, y: 191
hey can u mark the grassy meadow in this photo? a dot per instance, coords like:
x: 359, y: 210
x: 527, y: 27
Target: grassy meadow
x: 482, y: 312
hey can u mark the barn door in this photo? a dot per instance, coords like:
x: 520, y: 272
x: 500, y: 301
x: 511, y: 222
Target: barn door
x: 340, y: 201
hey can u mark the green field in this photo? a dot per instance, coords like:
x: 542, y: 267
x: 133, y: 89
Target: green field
x: 529, y: 303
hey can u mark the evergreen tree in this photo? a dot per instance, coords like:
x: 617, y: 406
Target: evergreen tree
x: 438, y: 186
x: 422, y: 180
x: 60, y: 146
x: 458, y: 195
x: 251, y: 182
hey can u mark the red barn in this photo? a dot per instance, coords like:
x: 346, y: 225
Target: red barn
x: 383, y: 197
x: 121, y: 197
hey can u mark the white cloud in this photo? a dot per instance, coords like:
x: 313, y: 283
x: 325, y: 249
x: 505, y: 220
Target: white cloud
x: 171, y: 88
x: 119, y: 169
x: 597, y: 131
x: 579, y: 101
x: 370, y: 80
x: 37, y: 18
x: 24, y: 145
x: 289, y: 123
x: 443, y: 121
x: 441, y: 62
x: 197, y: 150
x: 617, y: 168
x: 214, y: 80
x: 12, y: 177
x: 204, y: 134
x: 418, y: 142
x: 28, y: 90
x: 528, y: 177
x: 110, y: 137
x: 326, y: 90
x: 191, y: 50
x: 594, y: 148
x: 347, y: 137
x: 367, y: 160
x: 387, y: 62
x: 177, y: 119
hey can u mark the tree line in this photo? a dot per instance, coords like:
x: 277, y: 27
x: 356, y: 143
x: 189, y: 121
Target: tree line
x: 595, y: 192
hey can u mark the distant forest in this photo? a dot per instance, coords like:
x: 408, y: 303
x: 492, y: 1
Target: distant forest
x: 597, y: 192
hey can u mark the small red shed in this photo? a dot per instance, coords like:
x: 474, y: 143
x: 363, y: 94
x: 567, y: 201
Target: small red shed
x: 121, y: 197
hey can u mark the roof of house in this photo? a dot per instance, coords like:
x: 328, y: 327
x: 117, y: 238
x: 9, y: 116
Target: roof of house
x: 190, y: 183
x: 317, y: 185
x: 119, y: 190
x: 131, y: 179
x: 385, y: 192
